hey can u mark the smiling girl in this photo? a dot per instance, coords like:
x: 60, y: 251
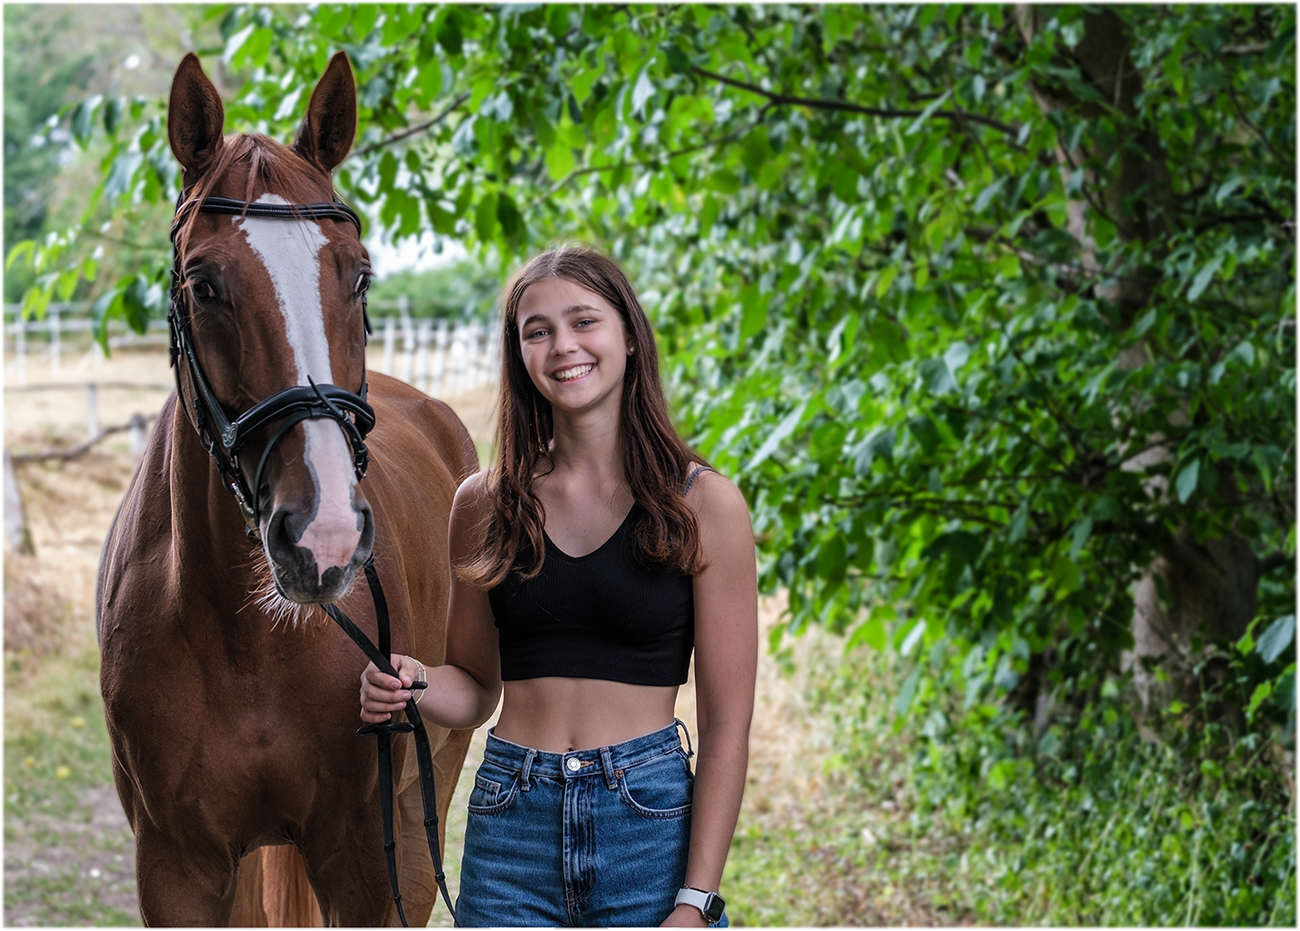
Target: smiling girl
x: 589, y: 564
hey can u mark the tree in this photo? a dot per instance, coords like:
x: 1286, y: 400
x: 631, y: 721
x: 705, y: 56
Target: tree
x: 989, y: 310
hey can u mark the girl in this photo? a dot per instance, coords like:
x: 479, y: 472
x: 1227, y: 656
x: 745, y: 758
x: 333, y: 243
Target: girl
x: 587, y: 565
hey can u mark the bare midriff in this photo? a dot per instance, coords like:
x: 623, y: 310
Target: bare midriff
x: 559, y: 715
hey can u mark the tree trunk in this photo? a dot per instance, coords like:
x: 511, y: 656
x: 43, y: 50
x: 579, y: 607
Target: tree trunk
x: 1195, y: 592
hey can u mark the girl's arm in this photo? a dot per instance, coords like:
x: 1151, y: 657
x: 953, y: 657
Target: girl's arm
x: 463, y: 692
x: 726, y: 659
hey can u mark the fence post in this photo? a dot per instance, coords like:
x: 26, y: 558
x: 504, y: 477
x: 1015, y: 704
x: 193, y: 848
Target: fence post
x: 422, y: 363
x: 92, y: 410
x: 18, y: 536
x: 390, y: 343
x: 440, y: 360
x: 21, y: 347
x: 139, y: 436
x: 408, y: 339
x: 55, y: 344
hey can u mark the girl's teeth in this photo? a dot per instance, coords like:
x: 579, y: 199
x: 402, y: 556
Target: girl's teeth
x: 570, y: 374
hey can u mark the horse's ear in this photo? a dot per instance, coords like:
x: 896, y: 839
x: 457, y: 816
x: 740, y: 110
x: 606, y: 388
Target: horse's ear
x: 195, y: 117
x: 330, y: 125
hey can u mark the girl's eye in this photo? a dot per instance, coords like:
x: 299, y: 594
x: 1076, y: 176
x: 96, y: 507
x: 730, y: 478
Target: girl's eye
x: 533, y: 333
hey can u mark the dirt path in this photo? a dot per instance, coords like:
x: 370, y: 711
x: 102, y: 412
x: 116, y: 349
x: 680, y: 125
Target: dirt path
x: 74, y: 863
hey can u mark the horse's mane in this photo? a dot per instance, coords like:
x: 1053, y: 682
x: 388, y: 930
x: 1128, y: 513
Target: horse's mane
x: 271, y: 166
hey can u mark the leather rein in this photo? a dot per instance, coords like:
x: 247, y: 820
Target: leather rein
x: 225, y: 438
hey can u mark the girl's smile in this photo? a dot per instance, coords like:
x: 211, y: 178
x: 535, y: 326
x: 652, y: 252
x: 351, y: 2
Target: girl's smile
x: 573, y: 373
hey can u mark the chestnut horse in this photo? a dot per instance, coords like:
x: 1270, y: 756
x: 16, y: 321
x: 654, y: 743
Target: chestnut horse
x: 231, y: 699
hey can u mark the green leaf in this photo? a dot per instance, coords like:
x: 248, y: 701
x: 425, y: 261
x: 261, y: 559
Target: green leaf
x: 560, y: 160
x: 642, y: 91
x: 903, y: 703
x: 1277, y: 638
x: 83, y: 118
x: 1066, y: 576
x: 753, y: 312
x: 25, y: 250
x: 1260, y: 455
x: 871, y: 632
x: 777, y: 436
x: 1187, y: 480
x: 925, y: 114
x: 937, y: 377
x: 832, y: 560
x: 1204, y: 277
x: 485, y: 217
x: 1079, y: 537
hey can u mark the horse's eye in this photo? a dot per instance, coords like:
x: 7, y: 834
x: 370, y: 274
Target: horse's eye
x: 363, y: 284
x: 202, y: 290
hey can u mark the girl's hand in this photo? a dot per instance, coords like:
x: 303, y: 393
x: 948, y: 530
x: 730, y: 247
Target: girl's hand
x: 381, y: 694
x: 685, y: 916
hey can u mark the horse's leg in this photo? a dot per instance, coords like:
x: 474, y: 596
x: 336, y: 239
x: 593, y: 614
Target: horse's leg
x: 183, y: 882
x: 344, y: 854
x: 287, y: 896
x: 248, y: 911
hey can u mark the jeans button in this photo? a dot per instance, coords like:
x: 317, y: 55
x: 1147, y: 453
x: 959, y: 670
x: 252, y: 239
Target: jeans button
x: 574, y: 764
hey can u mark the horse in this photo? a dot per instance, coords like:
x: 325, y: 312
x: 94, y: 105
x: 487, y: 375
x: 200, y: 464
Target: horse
x: 231, y: 701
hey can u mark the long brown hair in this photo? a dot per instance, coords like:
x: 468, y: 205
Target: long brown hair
x: 655, y: 459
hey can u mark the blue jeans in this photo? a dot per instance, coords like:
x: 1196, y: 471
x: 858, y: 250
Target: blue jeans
x: 588, y: 838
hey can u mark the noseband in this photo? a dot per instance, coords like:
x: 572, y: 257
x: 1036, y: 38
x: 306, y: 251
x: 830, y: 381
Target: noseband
x: 224, y: 438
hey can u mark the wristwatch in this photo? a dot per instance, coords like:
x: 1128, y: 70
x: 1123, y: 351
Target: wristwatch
x: 710, y: 904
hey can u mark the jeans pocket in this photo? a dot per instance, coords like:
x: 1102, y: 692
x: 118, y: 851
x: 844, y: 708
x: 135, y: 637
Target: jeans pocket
x: 489, y: 797
x: 659, y: 788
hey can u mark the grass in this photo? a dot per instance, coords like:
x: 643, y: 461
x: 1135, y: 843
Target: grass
x: 956, y: 818
x: 64, y: 865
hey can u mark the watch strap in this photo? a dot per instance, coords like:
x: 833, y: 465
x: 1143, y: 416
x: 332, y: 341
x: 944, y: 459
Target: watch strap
x: 710, y: 904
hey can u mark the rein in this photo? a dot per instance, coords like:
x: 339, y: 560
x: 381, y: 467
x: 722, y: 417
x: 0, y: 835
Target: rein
x: 225, y: 438
x: 423, y: 750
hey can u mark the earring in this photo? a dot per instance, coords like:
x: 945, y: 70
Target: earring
x: 630, y: 350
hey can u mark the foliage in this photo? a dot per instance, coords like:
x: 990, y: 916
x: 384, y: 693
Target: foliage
x: 892, y: 256
x: 1086, y: 823
x: 460, y: 289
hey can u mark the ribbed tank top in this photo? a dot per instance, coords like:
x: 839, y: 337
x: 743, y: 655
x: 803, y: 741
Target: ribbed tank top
x: 599, y: 616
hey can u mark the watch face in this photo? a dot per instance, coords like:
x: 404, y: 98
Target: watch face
x: 714, y: 910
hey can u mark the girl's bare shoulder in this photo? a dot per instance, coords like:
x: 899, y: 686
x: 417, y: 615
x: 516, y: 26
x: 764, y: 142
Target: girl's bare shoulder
x: 718, y: 503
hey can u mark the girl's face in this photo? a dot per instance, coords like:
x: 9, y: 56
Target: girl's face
x: 574, y: 345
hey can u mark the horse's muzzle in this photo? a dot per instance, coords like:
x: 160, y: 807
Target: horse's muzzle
x: 323, y: 571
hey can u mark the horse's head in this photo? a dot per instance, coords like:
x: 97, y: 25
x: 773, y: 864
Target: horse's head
x: 270, y: 304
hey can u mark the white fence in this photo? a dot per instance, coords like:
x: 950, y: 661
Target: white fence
x: 440, y: 357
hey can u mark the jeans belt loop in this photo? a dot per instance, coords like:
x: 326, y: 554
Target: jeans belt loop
x: 611, y: 781
x: 527, y: 770
x: 690, y: 751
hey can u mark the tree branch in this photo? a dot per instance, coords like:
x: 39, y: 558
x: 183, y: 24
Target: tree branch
x: 635, y: 163
x: 414, y: 130
x: 846, y: 107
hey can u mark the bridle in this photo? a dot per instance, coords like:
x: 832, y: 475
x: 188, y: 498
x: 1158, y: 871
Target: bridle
x: 224, y: 438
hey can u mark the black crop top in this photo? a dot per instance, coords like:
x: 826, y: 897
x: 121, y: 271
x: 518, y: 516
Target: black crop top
x: 599, y: 616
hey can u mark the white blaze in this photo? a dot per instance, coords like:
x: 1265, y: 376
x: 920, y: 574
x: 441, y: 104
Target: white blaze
x: 290, y: 250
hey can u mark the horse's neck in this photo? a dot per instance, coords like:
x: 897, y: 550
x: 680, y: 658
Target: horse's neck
x: 207, y: 531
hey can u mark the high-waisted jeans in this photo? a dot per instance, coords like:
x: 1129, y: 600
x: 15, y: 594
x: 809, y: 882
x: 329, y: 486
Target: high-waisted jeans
x: 591, y: 837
